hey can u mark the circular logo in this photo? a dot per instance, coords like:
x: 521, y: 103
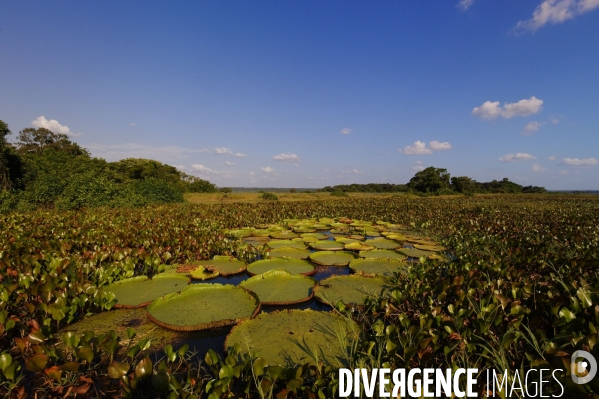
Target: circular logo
x: 582, y: 371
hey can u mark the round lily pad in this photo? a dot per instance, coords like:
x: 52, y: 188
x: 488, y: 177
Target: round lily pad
x: 326, y: 245
x: 201, y: 273
x: 433, y: 248
x: 381, y: 253
x: 358, y: 246
x: 137, y: 292
x: 224, y: 265
x: 377, y: 266
x: 283, y: 235
x: 383, y: 244
x: 286, y: 244
x: 289, y: 253
x: 293, y: 266
x: 319, y: 236
x: 279, y: 287
x: 293, y: 337
x: 204, y: 306
x: 304, y: 229
x: 415, y: 253
x: 350, y: 289
x: 332, y: 258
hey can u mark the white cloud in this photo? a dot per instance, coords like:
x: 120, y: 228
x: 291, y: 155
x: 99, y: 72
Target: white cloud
x: 531, y: 128
x: 438, y: 146
x: 352, y: 172
x: 53, y: 126
x: 133, y: 124
x: 345, y: 131
x: 579, y: 163
x: 230, y: 163
x: 517, y: 157
x: 556, y: 12
x: 203, y: 169
x: 537, y: 168
x: 202, y: 150
x: 267, y: 169
x: 228, y: 151
x: 418, y: 167
x: 491, y: 110
x: 465, y: 4
x: 419, y: 148
x: 287, y: 157
x: 554, y: 121
x: 552, y: 158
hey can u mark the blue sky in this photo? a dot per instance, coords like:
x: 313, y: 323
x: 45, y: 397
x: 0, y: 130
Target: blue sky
x: 315, y: 93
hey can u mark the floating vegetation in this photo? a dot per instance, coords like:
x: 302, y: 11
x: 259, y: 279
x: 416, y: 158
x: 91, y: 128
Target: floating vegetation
x: 204, y: 306
x: 292, y: 265
x: 286, y: 244
x: 279, y: 287
x: 352, y: 289
x: 415, y: 253
x: 224, y: 265
x: 289, y: 253
x: 382, y: 253
x: 332, y: 258
x: 383, y: 244
x: 138, y: 292
x: 292, y: 337
x: 378, y: 266
x: 325, y: 245
x: 358, y: 246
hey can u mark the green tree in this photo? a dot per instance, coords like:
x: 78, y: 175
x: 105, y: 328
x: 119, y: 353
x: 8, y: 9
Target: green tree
x: 430, y: 179
x: 463, y: 184
x: 4, y: 171
x: 38, y: 140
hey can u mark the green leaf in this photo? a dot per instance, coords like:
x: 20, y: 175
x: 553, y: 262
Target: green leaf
x: 118, y: 369
x: 36, y: 362
x: 5, y: 360
x: 144, y: 368
x: 567, y: 314
x: 585, y: 297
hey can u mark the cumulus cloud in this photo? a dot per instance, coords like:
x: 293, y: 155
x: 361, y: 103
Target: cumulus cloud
x: 492, y: 109
x: 345, y: 131
x: 203, y: 169
x: 53, y: 126
x: 465, y: 4
x: 531, y: 128
x: 537, y: 168
x: 228, y: 151
x: 267, y: 169
x: 556, y: 12
x: 551, y: 158
x: 579, y: 163
x: 418, y: 167
x: 230, y: 163
x: 287, y: 157
x: 517, y: 157
x: 438, y: 146
x: 419, y: 148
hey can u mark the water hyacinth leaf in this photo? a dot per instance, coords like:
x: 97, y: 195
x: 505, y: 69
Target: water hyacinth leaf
x: 289, y: 253
x: 382, y: 253
x: 294, y: 336
x: 378, y: 266
x: 118, y: 369
x: 332, y: 258
x: 140, y: 291
x: 292, y: 265
x: 36, y: 362
x: 204, y: 306
x: 279, y: 287
x: 350, y: 289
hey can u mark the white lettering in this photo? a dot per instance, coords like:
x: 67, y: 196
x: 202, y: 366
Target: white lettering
x: 369, y: 386
x: 471, y: 382
x: 411, y: 383
x: 344, y: 386
x: 383, y: 381
x: 456, y: 383
x: 443, y: 382
x: 399, y: 383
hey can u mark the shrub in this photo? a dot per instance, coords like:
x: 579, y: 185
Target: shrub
x: 226, y: 190
x: 269, y: 196
x: 8, y: 201
x: 293, y: 190
x: 339, y: 194
x: 157, y: 191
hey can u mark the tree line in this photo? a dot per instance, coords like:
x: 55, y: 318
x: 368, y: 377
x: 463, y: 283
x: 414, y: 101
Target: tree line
x: 44, y: 169
x: 436, y: 181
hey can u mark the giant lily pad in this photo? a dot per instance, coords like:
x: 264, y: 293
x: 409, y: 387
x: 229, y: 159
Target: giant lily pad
x: 415, y: 253
x: 289, y: 253
x: 224, y: 265
x: 204, y: 306
x: 293, y: 266
x: 283, y: 235
x: 377, y: 266
x: 286, y: 244
x: 383, y: 244
x: 433, y: 248
x: 137, y: 292
x: 358, y: 246
x: 350, y: 289
x: 279, y: 287
x: 318, y: 236
x: 326, y: 245
x: 381, y: 253
x: 201, y: 273
x: 293, y: 337
x: 332, y: 258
